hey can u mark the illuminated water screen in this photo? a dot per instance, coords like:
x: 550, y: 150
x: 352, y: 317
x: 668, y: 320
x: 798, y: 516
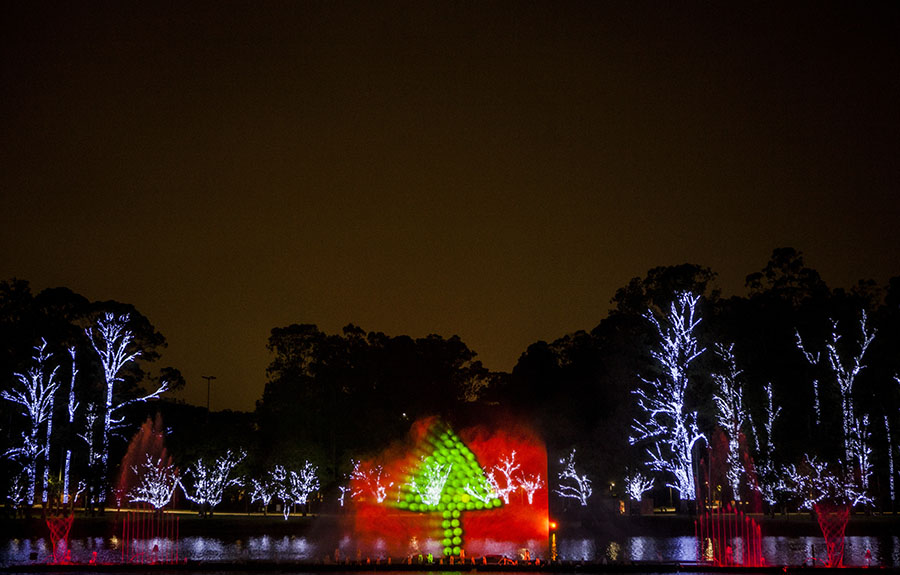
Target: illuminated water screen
x: 468, y: 493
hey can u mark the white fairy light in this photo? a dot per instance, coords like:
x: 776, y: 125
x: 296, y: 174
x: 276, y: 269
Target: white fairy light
x: 157, y: 482
x: 572, y: 484
x: 668, y: 426
x: 209, y: 481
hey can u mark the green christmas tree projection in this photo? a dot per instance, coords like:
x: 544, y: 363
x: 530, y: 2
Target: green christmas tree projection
x: 447, y: 480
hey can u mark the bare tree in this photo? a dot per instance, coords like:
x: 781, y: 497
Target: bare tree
x: 669, y: 427
x: 855, y: 435
x: 731, y: 415
x: 112, y: 342
x: 35, y: 394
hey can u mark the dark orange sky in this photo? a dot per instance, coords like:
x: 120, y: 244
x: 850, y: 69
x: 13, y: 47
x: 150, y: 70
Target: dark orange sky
x: 488, y: 169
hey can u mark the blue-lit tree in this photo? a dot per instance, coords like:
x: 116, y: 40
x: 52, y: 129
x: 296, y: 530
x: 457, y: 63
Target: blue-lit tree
x: 667, y: 424
x: 731, y: 415
x: 34, y: 394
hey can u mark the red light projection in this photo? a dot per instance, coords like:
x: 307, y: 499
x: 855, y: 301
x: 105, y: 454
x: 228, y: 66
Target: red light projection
x: 512, y: 462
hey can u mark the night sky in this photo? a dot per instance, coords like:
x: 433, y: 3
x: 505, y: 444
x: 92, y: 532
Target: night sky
x: 487, y: 169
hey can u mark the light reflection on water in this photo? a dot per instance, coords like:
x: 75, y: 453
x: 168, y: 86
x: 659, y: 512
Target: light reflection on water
x: 775, y: 550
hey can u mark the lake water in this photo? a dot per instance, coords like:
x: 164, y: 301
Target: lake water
x: 885, y: 550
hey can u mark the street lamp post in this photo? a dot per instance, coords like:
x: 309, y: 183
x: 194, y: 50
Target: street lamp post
x: 208, y: 379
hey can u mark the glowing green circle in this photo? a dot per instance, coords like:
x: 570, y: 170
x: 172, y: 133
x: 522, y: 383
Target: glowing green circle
x: 455, y: 514
x: 448, y: 550
x: 413, y: 506
x: 453, y: 523
x: 446, y: 515
x: 457, y: 531
x: 446, y: 523
x: 470, y: 506
x: 448, y: 533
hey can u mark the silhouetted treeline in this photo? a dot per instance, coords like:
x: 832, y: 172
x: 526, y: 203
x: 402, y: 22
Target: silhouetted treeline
x: 333, y: 397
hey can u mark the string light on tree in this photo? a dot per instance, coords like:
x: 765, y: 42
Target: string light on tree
x: 34, y: 394
x: 72, y: 407
x: 636, y: 485
x: 855, y: 436
x: 209, y: 481
x: 667, y: 425
x: 731, y: 415
x: 157, y: 481
x: 572, y: 484
x: 507, y: 468
x: 531, y: 484
x: 368, y: 478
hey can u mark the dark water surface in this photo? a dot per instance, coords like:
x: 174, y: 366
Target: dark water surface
x: 776, y: 550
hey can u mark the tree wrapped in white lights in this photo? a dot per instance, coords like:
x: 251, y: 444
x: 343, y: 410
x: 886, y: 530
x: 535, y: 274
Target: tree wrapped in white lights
x: 112, y: 343
x: 890, y: 450
x: 767, y: 479
x: 507, y: 468
x: 669, y: 427
x: 429, y: 484
x: 368, y: 478
x: 815, y: 482
x: 731, y: 415
x: 73, y: 405
x: 482, y: 488
x: 294, y: 487
x: 636, y: 485
x: 855, y: 439
x: 34, y: 394
x: 209, y: 481
x: 573, y: 485
x: 530, y: 484
x: 157, y: 481
x: 263, y: 491
x: 18, y: 489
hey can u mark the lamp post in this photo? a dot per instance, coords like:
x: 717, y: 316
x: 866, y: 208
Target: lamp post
x: 208, y: 379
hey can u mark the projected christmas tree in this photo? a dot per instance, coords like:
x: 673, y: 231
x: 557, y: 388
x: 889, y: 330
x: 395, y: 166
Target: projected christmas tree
x: 447, y: 480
